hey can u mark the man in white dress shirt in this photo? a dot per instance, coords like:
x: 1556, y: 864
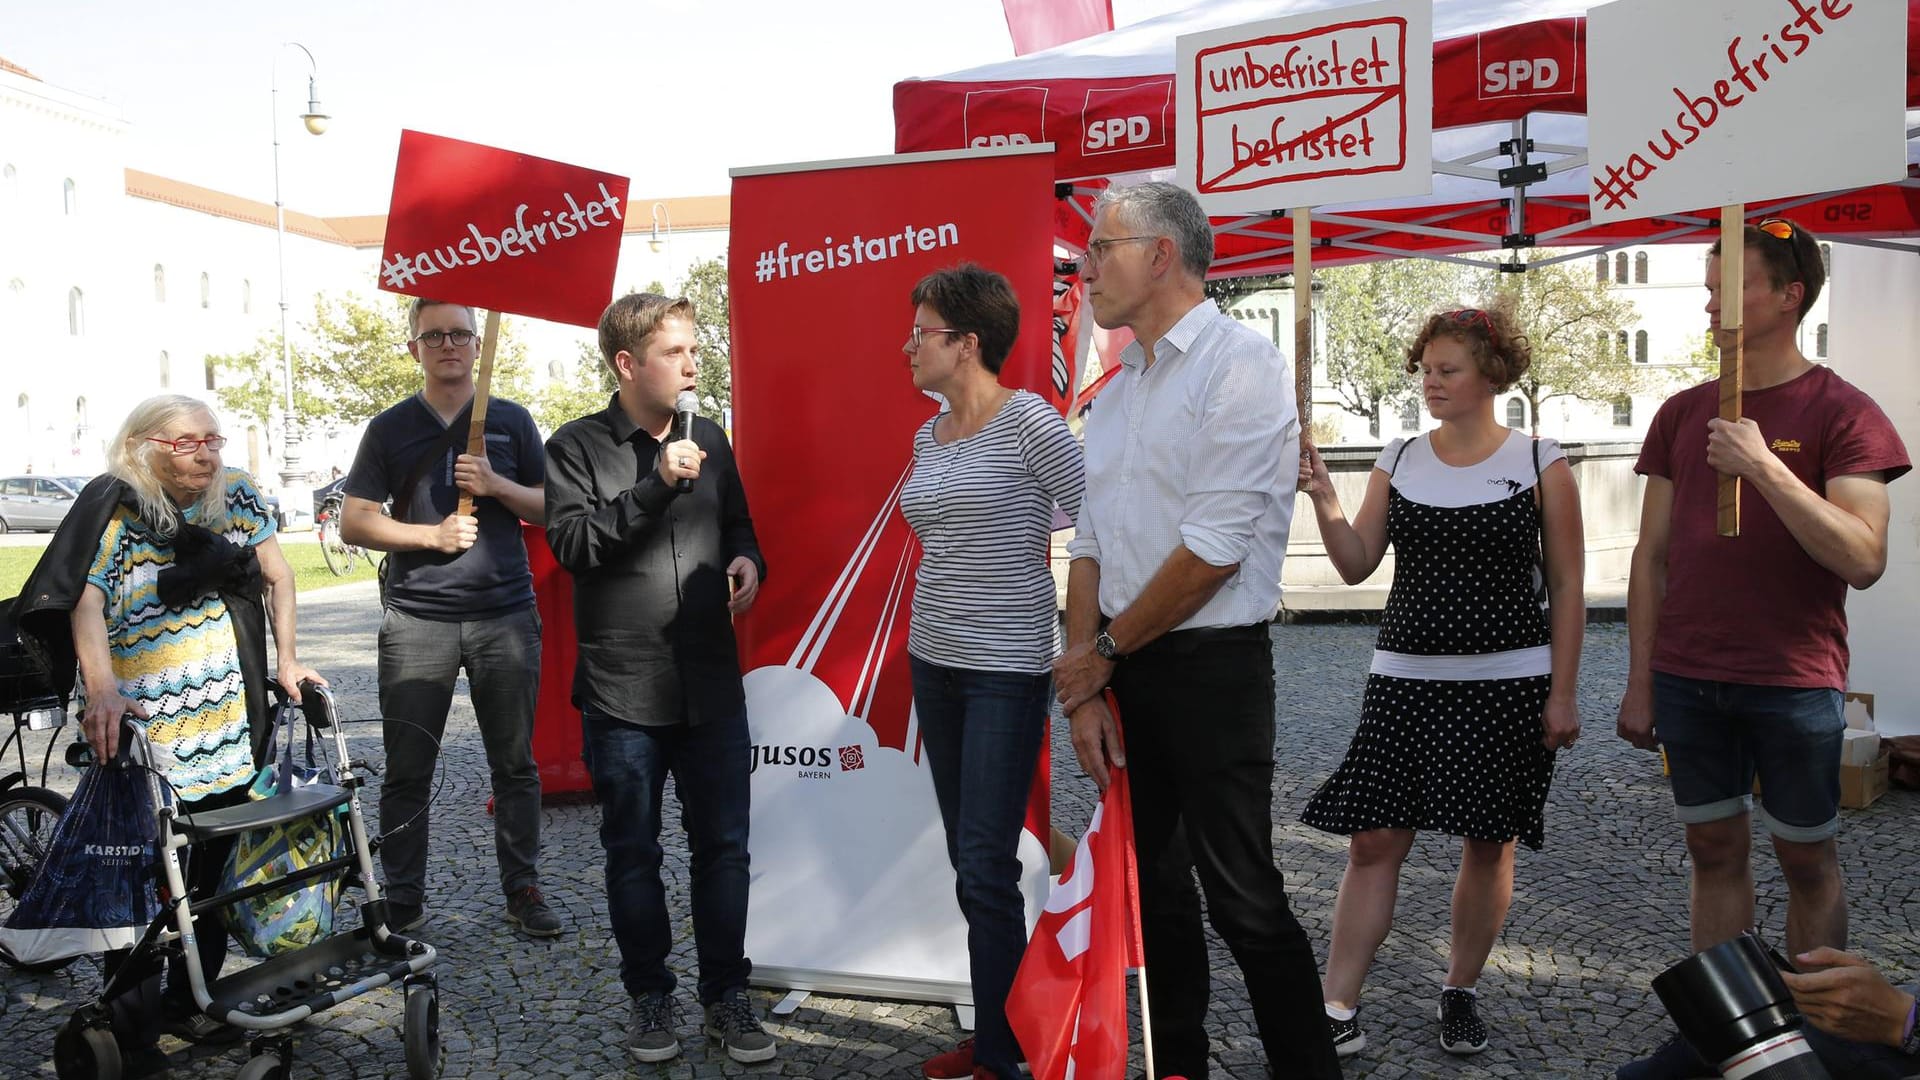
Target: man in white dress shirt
x: 1192, y: 455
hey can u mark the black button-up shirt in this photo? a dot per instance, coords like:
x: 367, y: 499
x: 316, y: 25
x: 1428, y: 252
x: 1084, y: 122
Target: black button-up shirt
x: 649, y: 566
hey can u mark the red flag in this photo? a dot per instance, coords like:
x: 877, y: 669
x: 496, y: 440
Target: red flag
x: 1068, y: 1005
x: 1042, y: 24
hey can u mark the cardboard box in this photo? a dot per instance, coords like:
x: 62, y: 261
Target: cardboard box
x: 1861, y: 785
x: 1858, y: 709
x: 1859, y: 747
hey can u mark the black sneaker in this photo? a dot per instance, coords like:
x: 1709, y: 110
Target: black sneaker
x: 528, y: 910
x: 141, y: 1062
x: 191, y: 1025
x: 1674, y: 1059
x: 650, y: 1027
x: 1348, y: 1039
x: 404, y: 917
x: 1461, y: 1029
x: 733, y: 1021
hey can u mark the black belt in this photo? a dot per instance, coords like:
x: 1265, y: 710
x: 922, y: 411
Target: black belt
x: 1184, y: 641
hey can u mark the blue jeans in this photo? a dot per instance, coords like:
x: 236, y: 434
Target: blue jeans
x: 710, y: 763
x: 982, y: 731
x: 1719, y: 734
x: 1849, y: 1060
x: 419, y: 661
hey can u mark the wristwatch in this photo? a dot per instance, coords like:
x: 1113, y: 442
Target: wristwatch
x: 1103, y: 644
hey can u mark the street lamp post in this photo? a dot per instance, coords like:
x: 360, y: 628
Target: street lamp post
x: 659, y: 239
x: 294, y: 494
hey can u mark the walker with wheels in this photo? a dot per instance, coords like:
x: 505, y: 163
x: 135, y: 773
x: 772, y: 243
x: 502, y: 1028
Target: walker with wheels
x: 269, y: 999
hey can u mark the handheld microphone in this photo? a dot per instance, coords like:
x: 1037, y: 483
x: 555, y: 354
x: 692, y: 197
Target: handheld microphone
x: 684, y: 407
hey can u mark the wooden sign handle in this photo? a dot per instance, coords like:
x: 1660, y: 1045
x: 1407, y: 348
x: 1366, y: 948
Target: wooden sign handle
x: 1733, y: 275
x: 1303, y: 325
x: 482, y: 387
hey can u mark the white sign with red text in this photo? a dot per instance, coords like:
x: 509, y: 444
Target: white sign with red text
x: 1328, y: 107
x: 1698, y: 105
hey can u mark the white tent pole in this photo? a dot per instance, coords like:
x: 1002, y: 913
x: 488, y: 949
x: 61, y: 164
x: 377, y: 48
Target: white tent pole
x: 1146, y: 1019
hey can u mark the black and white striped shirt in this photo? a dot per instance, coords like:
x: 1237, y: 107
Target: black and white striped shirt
x: 982, y: 507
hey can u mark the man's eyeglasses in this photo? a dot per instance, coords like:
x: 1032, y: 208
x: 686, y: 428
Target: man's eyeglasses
x: 183, y: 447
x: 1782, y: 229
x: 915, y: 340
x: 1097, y: 249
x: 433, y: 339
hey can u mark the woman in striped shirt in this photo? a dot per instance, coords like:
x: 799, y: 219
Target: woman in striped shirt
x: 988, y: 471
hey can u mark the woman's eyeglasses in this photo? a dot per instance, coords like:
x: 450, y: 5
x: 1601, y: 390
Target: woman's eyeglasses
x: 919, y: 333
x: 183, y: 447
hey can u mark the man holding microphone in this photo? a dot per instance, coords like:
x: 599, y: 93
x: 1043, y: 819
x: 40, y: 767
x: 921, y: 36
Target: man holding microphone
x: 652, y: 523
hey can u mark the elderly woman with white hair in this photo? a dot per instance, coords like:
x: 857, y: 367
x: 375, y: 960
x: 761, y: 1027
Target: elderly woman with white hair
x: 157, y: 587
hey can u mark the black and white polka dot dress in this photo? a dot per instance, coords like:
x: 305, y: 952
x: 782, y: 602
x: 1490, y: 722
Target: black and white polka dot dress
x: 1450, y: 728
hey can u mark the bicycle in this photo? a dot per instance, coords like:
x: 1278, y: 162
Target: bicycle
x: 339, y: 554
x: 28, y: 812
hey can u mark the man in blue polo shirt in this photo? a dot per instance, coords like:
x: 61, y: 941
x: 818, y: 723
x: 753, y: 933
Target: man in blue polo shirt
x: 458, y: 594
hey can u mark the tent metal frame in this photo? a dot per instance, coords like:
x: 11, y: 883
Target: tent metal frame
x: 1520, y: 173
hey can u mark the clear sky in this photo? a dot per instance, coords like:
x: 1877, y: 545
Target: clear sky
x: 671, y: 93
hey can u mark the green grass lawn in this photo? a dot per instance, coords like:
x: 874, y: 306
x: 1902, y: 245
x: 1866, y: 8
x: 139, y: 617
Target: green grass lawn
x: 309, y: 568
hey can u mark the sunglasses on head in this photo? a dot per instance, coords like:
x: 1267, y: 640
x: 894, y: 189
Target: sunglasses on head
x: 1469, y: 316
x: 1782, y: 229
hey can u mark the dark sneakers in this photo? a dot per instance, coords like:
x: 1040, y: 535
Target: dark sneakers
x: 200, y: 1029
x: 404, y: 917
x: 650, y: 1027
x: 1674, y: 1059
x: 733, y: 1021
x: 1461, y: 1029
x: 1348, y: 1039
x: 528, y: 910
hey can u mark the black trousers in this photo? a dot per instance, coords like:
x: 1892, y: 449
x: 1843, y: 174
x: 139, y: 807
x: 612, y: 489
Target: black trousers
x: 1196, y: 708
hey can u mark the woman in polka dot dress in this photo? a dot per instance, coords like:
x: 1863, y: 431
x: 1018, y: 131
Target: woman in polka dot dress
x: 1471, y: 692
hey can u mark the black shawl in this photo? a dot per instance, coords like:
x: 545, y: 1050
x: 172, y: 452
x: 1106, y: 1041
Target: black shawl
x: 43, y: 609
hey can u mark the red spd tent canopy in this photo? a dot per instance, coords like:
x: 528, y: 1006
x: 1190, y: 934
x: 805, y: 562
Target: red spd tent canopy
x: 1508, y: 97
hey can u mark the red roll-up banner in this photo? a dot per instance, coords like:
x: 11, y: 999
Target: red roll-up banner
x: 851, y: 885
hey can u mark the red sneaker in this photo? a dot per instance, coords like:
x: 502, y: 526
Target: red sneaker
x: 955, y: 1064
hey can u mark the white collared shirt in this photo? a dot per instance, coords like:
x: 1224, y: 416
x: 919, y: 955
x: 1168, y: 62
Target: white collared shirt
x: 1203, y: 450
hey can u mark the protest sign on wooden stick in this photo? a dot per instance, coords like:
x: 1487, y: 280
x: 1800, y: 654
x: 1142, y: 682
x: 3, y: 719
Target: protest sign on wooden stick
x: 1733, y: 273
x: 1303, y: 326
x: 482, y: 390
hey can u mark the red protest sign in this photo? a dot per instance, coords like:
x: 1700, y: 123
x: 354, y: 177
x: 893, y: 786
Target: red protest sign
x: 473, y: 224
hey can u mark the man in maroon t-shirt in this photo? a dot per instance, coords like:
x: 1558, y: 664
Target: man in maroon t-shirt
x: 1739, y: 645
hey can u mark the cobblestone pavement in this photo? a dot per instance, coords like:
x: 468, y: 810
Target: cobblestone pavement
x: 1567, y: 994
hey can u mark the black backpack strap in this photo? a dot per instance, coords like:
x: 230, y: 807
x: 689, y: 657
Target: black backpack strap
x: 1539, y: 497
x: 1397, y: 454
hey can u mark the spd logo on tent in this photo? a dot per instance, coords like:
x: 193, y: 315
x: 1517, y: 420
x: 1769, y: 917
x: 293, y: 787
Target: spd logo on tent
x: 1540, y: 60
x: 1124, y: 118
x: 1012, y: 117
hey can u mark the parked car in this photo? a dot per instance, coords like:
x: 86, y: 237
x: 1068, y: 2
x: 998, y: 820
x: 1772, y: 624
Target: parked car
x: 37, y: 503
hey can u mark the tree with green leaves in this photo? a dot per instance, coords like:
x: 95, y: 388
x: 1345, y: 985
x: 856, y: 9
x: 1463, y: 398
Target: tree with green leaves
x: 1573, y: 323
x: 582, y: 390
x: 1371, y: 312
x: 349, y: 363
